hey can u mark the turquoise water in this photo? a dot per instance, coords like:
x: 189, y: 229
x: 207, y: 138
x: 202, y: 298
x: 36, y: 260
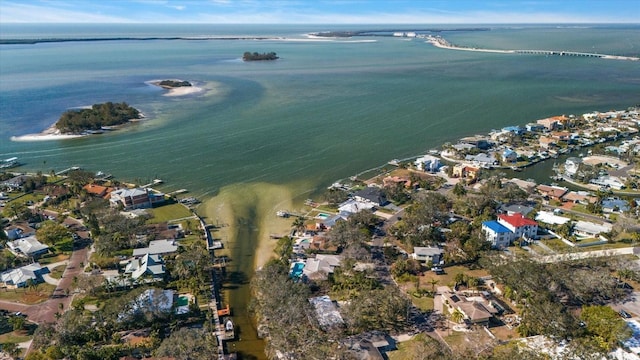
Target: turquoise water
x: 296, y: 271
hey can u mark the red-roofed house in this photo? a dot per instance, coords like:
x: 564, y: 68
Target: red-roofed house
x: 519, y: 225
x: 97, y: 190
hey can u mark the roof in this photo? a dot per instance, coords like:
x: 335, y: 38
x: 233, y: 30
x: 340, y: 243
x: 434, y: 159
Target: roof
x: 23, y: 274
x: 427, y: 251
x: 157, y: 247
x: 555, y: 191
x: 27, y: 245
x: 591, y: 228
x: 548, y: 217
x: 373, y: 194
x: 474, y: 311
x: 496, y: 227
x: 96, y: 189
x: 326, y: 311
x: 516, y: 208
x: 129, y: 192
x: 517, y: 220
x: 148, y: 264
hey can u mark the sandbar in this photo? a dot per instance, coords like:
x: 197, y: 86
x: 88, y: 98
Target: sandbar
x: 51, y: 133
x: 177, y: 91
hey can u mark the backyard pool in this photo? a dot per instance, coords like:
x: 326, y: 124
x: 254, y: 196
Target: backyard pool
x: 296, y: 270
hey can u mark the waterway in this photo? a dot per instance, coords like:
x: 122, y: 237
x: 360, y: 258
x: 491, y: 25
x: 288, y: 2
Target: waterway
x: 325, y: 110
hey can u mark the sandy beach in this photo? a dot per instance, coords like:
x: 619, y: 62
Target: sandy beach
x: 51, y: 133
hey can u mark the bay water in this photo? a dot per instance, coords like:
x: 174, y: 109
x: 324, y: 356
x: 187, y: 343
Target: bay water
x: 326, y: 110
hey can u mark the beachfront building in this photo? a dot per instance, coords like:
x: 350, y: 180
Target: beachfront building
x: 136, y: 198
x: 428, y: 163
x: 468, y: 172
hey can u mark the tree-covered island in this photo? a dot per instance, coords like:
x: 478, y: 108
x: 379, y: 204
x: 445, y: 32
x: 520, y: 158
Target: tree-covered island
x: 249, y: 56
x: 170, y: 84
x: 96, y: 117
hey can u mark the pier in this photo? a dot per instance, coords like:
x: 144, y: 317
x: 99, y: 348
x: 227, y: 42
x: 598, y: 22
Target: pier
x: 73, y: 168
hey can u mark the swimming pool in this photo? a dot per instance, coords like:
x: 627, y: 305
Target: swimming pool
x: 296, y: 270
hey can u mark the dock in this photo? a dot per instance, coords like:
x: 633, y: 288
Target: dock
x: 63, y: 172
x: 154, y: 182
x: 181, y: 191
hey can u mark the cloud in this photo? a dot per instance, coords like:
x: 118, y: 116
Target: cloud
x: 16, y: 13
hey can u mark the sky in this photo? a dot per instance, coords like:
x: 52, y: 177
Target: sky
x: 320, y: 11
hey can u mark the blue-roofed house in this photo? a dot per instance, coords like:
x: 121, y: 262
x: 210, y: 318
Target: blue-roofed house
x: 499, y: 235
x: 610, y: 205
x: 513, y: 129
x: 509, y: 155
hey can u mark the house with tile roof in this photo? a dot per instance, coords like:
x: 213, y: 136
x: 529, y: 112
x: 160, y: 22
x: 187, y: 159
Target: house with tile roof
x: 476, y: 309
x: 97, y: 190
x: 137, y: 198
x: 519, y: 225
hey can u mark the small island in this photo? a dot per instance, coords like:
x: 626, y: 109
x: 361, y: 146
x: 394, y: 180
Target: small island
x: 96, y: 118
x: 170, y: 84
x: 249, y: 56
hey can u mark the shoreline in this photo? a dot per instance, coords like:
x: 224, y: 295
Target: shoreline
x: 50, y: 133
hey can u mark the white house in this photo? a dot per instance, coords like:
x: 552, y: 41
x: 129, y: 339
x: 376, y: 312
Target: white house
x: 27, y: 246
x: 508, y: 228
x: 428, y: 163
x: 18, y: 278
x: 157, y: 247
x: 150, y: 265
x: 589, y: 229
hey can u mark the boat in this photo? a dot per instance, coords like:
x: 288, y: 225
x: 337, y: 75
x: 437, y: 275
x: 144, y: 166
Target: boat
x: 282, y: 213
x: 515, y: 168
x: 9, y: 163
x: 229, y: 332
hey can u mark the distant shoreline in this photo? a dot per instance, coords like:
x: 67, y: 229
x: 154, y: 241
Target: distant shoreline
x: 177, y: 90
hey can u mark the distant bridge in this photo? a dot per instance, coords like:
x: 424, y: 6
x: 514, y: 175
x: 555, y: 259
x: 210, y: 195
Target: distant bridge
x: 560, y: 53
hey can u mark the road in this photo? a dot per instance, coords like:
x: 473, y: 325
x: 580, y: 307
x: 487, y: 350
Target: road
x: 45, y: 312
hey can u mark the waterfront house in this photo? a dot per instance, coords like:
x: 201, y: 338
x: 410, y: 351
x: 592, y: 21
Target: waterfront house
x: 429, y: 254
x: 608, y: 182
x: 158, y: 247
x: 509, y: 155
x: 546, y: 142
x: 321, y: 266
x: 579, y: 197
x: 97, y: 190
x: 353, y: 206
x: 395, y: 180
x: 372, y: 195
x: 483, y: 160
x: 137, y: 198
x: 551, y: 191
x: 28, y: 247
x: 571, y: 166
x: 15, y: 183
x: 532, y: 127
x: 20, y: 277
x: 428, y: 163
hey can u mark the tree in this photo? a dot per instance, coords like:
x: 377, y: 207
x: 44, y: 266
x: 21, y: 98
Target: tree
x: 457, y: 316
x: 433, y: 283
x: 605, y: 326
x: 17, y: 322
x: 11, y: 349
x: 51, y: 233
x: 459, y: 190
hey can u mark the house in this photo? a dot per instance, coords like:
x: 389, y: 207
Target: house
x: 534, y: 127
x: 551, y: 191
x: 20, y: 277
x: 372, y: 195
x: 320, y: 266
x: 396, y: 180
x: 515, y: 208
x: 497, y: 234
x: 482, y: 160
x: 564, y: 136
x: 590, y: 229
x: 466, y: 172
x: 137, y: 198
x: 550, y: 218
x: 509, y: 155
x: 326, y: 312
x: 353, y: 206
x: 148, y: 265
x: 426, y: 255
x: 97, y: 190
x: 608, y: 182
x: 370, y: 345
x: 19, y: 230
x: 428, y: 163
x: 479, y: 142
x: 546, y: 142
x: 553, y: 123
x: 519, y: 225
x: 475, y: 309
x: 15, y: 183
x: 610, y: 205
x: 157, y: 247
x: 28, y: 246
x: 579, y: 197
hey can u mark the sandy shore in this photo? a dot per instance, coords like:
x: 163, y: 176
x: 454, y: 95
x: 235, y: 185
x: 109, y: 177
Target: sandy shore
x: 236, y: 205
x: 51, y: 133
x: 177, y: 91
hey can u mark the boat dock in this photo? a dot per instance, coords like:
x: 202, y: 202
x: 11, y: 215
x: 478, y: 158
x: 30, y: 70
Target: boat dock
x: 63, y: 172
x: 154, y: 182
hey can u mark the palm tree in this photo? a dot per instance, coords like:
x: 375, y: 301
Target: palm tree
x: 457, y: 316
x: 433, y: 283
x: 298, y: 223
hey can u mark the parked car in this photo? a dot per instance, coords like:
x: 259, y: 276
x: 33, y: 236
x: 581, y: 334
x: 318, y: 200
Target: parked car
x: 625, y: 314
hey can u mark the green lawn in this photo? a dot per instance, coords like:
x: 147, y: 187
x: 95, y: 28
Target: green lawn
x: 57, y: 271
x: 447, y: 279
x: 424, y: 303
x: 46, y: 260
x: 168, y: 212
x: 28, y: 296
x: 617, y: 245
